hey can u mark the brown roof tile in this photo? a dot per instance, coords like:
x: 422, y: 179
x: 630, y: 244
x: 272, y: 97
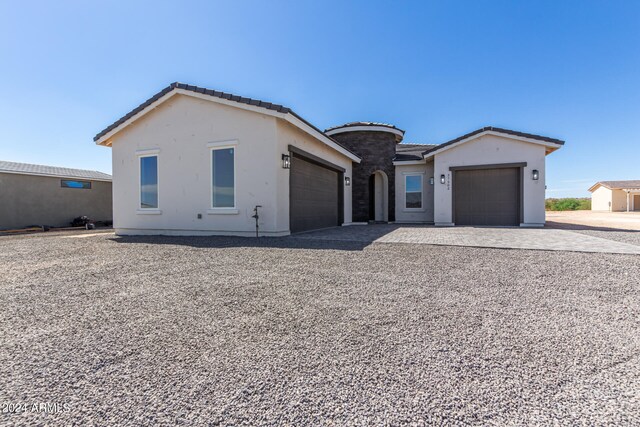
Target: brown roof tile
x: 615, y: 185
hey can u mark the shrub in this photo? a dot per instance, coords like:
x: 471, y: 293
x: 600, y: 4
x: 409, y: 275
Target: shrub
x: 568, y: 204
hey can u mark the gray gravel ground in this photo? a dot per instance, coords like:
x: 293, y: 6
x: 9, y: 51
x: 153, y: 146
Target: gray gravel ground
x: 180, y: 331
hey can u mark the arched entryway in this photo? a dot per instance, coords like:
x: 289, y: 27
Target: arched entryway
x: 378, y: 197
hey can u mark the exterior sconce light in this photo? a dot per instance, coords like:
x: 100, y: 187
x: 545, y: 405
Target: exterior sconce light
x: 442, y: 179
x: 347, y: 181
x: 431, y: 181
x: 535, y: 174
x: 286, y: 161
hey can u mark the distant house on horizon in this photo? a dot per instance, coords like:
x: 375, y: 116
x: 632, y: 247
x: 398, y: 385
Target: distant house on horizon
x: 615, y: 196
x: 51, y: 196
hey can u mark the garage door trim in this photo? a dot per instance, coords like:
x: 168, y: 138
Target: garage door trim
x: 494, y: 166
x: 315, y: 159
x: 520, y: 165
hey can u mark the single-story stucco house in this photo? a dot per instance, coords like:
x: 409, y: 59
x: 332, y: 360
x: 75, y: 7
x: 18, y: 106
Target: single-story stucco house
x: 615, y: 196
x: 192, y: 161
x: 51, y: 196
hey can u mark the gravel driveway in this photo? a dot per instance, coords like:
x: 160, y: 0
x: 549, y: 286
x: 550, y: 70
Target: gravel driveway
x: 181, y: 331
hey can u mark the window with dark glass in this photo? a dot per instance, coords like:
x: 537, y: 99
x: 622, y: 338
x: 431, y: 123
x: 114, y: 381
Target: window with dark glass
x: 149, y: 182
x: 413, y: 191
x: 223, y: 178
x: 71, y: 183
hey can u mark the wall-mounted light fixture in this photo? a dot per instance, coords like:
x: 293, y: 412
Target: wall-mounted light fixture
x: 347, y: 181
x: 431, y: 181
x: 286, y: 161
x: 442, y: 179
x: 535, y: 175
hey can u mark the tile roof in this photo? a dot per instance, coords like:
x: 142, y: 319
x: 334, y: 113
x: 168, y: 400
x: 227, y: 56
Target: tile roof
x: 29, y: 169
x: 217, y: 94
x: 407, y: 152
x: 353, y: 124
x: 498, y: 130
x: 614, y: 185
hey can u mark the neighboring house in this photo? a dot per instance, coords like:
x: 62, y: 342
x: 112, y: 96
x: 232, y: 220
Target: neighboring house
x: 51, y: 196
x: 194, y: 161
x: 615, y: 196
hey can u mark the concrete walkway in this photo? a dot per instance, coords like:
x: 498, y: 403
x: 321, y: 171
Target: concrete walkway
x: 595, y: 220
x: 505, y: 238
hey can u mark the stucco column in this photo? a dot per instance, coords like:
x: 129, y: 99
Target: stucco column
x: 628, y: 193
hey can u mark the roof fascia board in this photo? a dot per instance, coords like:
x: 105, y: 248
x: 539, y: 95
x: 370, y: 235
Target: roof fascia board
x: 229, y: 102
x: 48, y: 175
x: 318, y: 135
x: 257, y: 109
x: 365, y: 128
x: 104, y: 139
x: 178, y: 91
x: 409, y: 162
x: 595, y: 186
x: 494, y: 133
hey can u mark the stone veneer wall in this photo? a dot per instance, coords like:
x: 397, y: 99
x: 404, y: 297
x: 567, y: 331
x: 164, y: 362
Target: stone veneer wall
x: 376, y: 149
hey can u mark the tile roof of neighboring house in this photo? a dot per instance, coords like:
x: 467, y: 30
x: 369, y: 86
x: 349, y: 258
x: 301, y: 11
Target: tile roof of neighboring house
x: 498, y: 130
x: 29, y: 169
x: 616, y: 185
x: 215, y: 93
x: 354, y: 124
x: 407, y: 152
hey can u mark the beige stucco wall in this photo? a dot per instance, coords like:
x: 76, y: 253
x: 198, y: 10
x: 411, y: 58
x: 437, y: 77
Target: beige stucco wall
x: 491, y: 149
x: 40, y: 200
x: 287, y: 134
x: 619, y: 201
x: 600, y: 199
x: 181, y: 129
x: 412, y: 215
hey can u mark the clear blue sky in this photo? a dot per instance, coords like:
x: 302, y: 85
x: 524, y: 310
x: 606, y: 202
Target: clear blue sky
x: 566, y: 69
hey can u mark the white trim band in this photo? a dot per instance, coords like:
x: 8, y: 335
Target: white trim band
x: 365, y: 128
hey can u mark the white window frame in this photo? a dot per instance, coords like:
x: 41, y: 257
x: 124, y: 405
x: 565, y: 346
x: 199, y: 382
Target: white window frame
x: 222, y: 145
x: 140, y: 155
x: 421, y: 208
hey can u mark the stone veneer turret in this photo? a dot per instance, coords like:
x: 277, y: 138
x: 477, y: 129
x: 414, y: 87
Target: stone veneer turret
x: 375, y: 144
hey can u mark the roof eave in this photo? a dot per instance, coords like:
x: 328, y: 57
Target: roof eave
x: 399, y: 133
x: 483, y: 132
x: 62, y: 176
x: 409, y: 162
x: 174, y: 89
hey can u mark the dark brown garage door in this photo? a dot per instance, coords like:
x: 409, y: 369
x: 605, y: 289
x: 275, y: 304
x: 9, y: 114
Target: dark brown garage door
x: 487, y: 196
x: 314, y: 196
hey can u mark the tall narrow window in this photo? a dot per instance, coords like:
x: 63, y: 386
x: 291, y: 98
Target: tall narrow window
x: 223, y: 178
x: 149, y: 182
x: 413, y: 192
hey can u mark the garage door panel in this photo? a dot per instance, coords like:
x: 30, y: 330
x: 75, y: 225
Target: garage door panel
x: 487, y: 196
x: 314, y: 198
